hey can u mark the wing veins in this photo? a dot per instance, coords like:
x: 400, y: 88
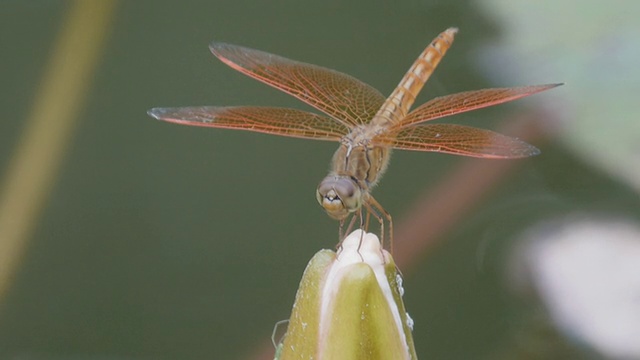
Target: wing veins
x: 270, y: 120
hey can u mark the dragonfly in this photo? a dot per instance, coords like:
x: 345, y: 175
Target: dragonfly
x: 365, y: 123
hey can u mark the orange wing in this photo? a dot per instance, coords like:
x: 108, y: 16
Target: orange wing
x: 459, y: 140
x: 466, y: 101
x: 343, y: 97
x: 270, y: 120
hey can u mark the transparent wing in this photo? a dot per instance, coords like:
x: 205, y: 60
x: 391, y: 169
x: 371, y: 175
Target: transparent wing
x: 338, y: 95
x: 466, y: 101
x: 459, y: 140
x: 277, y: 121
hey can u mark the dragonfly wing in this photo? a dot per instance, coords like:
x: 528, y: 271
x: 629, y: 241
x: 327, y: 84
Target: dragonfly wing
x: 270, y: 120
x: 338, y: 95
x: 466, y: 101
x: 458, y: 140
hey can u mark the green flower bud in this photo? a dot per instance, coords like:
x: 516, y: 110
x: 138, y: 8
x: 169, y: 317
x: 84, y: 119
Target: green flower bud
x: 349, y: 306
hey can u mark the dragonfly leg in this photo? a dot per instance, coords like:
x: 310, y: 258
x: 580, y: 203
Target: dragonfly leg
x: 364, y: 224
x: 342, y: 233
x: 374, y: 208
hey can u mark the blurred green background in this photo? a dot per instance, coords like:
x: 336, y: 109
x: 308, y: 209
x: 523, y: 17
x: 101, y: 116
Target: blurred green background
x: 158, y: 241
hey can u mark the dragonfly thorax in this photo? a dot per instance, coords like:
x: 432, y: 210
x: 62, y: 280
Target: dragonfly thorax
x: 339, y: 196
x: 361, y: 161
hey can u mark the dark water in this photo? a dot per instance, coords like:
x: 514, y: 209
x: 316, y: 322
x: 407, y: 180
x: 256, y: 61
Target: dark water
x: 167, y: 242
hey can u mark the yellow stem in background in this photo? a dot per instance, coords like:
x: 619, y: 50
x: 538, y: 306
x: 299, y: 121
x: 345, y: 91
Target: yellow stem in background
x: 49, y: 128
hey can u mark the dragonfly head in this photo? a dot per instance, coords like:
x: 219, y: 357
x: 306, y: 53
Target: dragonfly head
x: 339, y: 196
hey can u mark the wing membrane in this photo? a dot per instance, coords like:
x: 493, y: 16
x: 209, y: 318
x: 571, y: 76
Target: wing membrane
x: 270, y: 120
x: 466, y: 101
x: 459, y: 140
x: 338, y: 95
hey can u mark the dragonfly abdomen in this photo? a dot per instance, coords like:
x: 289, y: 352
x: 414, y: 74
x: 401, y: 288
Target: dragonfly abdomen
x: 397, y: 105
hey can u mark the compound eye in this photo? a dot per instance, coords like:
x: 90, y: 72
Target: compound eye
x: 339, y: 196
x: 325, y: 191
x: 319, y: 196
x: 349, y: 193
